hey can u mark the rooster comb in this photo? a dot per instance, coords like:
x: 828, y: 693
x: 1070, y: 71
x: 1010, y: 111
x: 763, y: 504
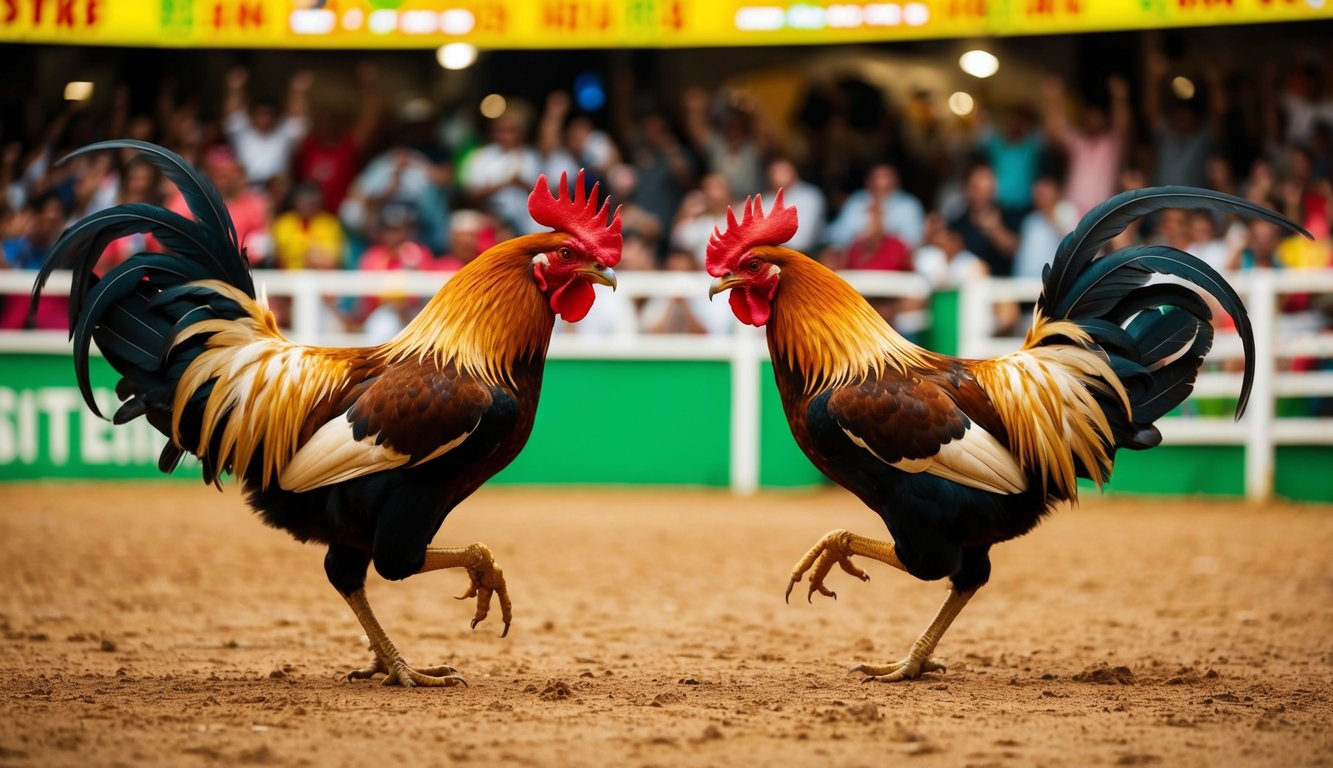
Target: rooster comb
x: 776, y: 227
x: 578, y: 216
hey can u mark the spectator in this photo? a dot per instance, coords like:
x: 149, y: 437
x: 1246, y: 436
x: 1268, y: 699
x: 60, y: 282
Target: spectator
x: 263, y: 141
x: 1014, y: 151
x: 394, y: 250
x: 988, y: 230
x: 1051, y: 218
x: 499, y: 176
x: 1306, y: 102
x: 1095, y: 150
x: 663, y: 168
x: 622, y: 184
x: 249, y: 209
x: 470, y: 234
x: 1204, y: 241
x: 805, y: 197
x: 737, y: 150
x: 307, y: 234
x: 675, y: 314
x: 568, y: 144
x: 140, y: 182
x: 944, y: 260
x: 330, y: 156
x: 900, y: 213
x: 27, y: 241
x: 700, y: 213
x: 1184, y: 139
x: 404, y: 176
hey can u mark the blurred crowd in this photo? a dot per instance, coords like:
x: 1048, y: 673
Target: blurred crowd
x: 881, y: 183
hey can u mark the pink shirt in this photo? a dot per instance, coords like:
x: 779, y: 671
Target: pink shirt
x: 249, y: 212
x: 1094, y: 169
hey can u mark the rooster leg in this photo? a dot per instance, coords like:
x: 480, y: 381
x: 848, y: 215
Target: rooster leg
x: 918, y: 659
x: 838, y: 546
x: 387, y: 658
x: 486, y: 578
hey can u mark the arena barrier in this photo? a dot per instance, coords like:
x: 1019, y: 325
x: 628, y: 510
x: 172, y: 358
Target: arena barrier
x: 703, y: 410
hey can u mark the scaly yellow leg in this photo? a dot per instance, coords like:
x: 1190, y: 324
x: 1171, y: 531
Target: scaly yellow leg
x: 918, y: 659
x: 838, y: 546
x: 387, y: 658
x: 486, y: 580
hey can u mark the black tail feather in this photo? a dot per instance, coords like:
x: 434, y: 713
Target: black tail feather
x: 1154, y: 335
x: 135, y: 312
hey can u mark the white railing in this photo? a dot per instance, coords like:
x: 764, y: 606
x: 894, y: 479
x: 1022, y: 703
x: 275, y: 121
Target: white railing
x: 744, y: 348
x: 1277, y: 338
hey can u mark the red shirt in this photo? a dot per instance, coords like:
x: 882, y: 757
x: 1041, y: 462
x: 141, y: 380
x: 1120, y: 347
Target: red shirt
x: 332, y: 166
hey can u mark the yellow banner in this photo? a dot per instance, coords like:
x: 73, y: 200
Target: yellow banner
x: 499, y: 24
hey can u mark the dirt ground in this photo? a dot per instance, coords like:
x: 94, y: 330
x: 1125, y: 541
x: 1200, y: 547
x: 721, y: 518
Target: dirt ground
x: 163, y: 625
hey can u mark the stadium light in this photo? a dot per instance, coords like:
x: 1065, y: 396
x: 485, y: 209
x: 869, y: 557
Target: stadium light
x: 1182, y: 87
x: 979, y: 63
x: 456, y: 56
x: 78, y: 90
x: 961, y: 103
x: 493, y: 106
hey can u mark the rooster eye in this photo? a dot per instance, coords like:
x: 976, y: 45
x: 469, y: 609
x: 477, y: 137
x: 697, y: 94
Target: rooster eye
x: 566, y: 254
x: 753, y: 266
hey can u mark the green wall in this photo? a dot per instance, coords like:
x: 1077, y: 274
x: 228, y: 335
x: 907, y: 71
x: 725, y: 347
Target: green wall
x: 618, y: 422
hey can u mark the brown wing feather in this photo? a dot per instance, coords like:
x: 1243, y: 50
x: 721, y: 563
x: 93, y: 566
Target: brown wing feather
x: 412, y: 412
x: 899, y: 418
x: 916, y: 423
x: 415, y: 407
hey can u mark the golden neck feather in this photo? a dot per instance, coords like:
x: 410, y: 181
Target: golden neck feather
x: 489, y: 316
x: 825, y: 331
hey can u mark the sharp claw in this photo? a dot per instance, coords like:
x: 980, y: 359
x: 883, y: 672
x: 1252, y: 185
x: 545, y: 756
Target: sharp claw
x: 462, y: 597
x: 506, y: 630
x: 475, y: 622
x: 833, y: 595
x: 787, y: 597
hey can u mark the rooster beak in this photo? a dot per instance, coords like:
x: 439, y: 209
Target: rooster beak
x: 600, y: 273
x: 724, y: 283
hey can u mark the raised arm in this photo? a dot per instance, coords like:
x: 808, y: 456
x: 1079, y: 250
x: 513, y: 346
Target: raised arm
x: 552, y: 121
x: 697, y: 129
x: 1053, y: 120
x: 1155, y: 69
x: 1122, y: 119
x: 372, y: 105
x: 235, y: 102
x: 298, y: 90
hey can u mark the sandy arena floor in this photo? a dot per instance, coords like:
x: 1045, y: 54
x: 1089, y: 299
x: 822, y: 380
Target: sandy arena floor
x: 163, y: 625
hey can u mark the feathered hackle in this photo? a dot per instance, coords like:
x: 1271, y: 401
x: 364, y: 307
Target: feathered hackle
x: 826, y: 331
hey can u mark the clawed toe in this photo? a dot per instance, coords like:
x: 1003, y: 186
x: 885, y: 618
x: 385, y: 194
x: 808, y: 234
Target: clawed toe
x: 907, y: 669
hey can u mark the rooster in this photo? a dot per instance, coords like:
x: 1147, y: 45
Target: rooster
x: 958, y: 455
x: 365, y: 450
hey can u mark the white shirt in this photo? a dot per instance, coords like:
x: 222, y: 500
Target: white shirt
x: 264, y: 155
x: 492, y: 166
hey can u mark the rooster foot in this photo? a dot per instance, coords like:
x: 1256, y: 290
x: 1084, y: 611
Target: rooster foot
x: 429, y: 677
x: 379, y: 668
x: 486, y: 580
x: 833, y: 548
x: 909, y: 668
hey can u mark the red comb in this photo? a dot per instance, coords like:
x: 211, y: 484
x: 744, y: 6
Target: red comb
x: 755, y: 228
x: 578, y: 217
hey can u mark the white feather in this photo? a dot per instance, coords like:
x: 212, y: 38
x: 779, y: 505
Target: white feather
x: 976, y: 460
x: 333, y: 455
